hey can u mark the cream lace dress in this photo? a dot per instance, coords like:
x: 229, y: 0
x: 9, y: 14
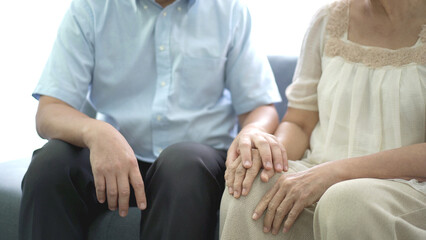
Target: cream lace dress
x: 369, y: 99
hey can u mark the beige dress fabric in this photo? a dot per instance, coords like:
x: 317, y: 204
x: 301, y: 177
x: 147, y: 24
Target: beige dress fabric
x: 369, y: 99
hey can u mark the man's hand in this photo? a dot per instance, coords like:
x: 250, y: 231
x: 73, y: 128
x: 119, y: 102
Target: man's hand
x: 272, y: 152
x: 113, y: 161
x: 239, y: 179
x: 114, y: 167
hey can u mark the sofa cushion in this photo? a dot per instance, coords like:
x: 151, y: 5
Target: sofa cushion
x: 11, y: 174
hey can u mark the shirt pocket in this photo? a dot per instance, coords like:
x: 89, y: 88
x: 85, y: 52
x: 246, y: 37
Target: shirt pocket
x: 200, y: 82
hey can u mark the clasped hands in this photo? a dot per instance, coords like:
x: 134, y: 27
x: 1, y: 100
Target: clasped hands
x: 291, y: 193
x: 252, y: 150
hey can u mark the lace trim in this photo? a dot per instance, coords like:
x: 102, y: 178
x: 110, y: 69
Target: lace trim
x: 375, y: 57
x: 338, y: 21
x: 370, y: 56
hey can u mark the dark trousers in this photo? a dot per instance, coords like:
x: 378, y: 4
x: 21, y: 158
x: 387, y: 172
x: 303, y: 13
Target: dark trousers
x: 183, y: 188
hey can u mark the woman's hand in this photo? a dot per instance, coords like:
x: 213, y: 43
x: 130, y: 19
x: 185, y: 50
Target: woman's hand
x: 240, y: 179
x: 291, y: 194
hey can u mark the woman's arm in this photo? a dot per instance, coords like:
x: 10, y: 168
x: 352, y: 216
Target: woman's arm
x: 407, y: 162
x: 295, y: 131
x: 293, y: 192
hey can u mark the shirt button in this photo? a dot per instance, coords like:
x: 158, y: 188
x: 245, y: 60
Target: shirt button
x: 158, y: 118
x: 161, y: 48
x: 179, y: 9
x: 164, y: 13
x: 163, y: 84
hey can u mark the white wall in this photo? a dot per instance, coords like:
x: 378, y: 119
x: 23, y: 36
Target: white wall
x: 281, y: 24
x: 28, y: 29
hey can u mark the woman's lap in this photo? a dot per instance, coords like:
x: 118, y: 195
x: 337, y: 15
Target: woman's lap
x: 347, y: 210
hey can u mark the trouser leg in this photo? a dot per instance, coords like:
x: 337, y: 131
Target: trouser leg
x: 58, y: 197
x: 371, y: 209
x: 354, y: 209
x: 236, y: 221
x: 58, y: 194
x: 184, y: 187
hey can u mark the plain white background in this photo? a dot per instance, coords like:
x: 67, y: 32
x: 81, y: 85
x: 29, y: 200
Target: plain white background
x: 28, y: 30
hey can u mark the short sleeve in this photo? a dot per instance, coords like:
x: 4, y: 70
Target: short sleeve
x: 68, y: 72
x: 302, y: 93
x: 249, y: 76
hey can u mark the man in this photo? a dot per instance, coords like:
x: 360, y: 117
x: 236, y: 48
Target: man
x: 173, y: 76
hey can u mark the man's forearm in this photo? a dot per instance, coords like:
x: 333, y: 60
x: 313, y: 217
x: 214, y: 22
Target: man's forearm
x: 264, y: 118
x: 57, y: 120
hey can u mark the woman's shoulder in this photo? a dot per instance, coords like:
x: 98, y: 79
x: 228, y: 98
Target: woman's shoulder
x: 334, y: 15
x: 338, y: 12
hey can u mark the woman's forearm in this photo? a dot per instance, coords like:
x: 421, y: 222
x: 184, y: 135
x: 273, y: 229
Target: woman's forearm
x: 295, y: 131
x: 293, y: 138
x: 405, y: 163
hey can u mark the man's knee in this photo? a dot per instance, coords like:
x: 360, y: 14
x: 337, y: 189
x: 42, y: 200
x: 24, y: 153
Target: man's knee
x: 191, y: 159
x: 51, y: 165
x: 186, y: 168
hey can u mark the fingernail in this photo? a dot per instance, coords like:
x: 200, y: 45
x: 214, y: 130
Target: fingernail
x: 268, y: 165
x: 285, y: 230
x: 266, y: 178
x: 236, y: 194
x: 254, y: 216
x: 123, y: 213
x: 231, y: 191
x: 265, y: 229
x: 244, y: 191
x: 286, y: 168
x: 274, y: 231
x: 247, y: 164
x: 142, y: 206
x: 279, y: 167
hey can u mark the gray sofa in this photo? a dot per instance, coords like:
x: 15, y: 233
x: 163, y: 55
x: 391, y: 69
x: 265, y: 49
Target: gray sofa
x: 109, y: 225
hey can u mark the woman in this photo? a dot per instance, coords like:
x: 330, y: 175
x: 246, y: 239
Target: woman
x: 357, y: 121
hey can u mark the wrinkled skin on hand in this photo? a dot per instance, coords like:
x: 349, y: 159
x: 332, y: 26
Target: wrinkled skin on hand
x: 291, y: 194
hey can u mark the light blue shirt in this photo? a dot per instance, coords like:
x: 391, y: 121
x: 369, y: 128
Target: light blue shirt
x: 165, y: 75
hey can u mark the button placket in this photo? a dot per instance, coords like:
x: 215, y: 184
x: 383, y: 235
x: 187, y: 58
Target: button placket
x: 164, y: 65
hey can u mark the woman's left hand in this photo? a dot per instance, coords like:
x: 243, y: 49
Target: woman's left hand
x: 291, y: 194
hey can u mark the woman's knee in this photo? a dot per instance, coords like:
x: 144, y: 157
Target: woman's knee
x: 247, y: 204
x: 344, y: 202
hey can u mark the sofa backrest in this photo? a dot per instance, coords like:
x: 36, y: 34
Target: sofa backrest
x: 283, y: 68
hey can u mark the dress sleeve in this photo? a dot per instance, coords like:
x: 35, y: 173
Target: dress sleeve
x: 249, y: 76
x: 302, y: 93
x: 68, y: 72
